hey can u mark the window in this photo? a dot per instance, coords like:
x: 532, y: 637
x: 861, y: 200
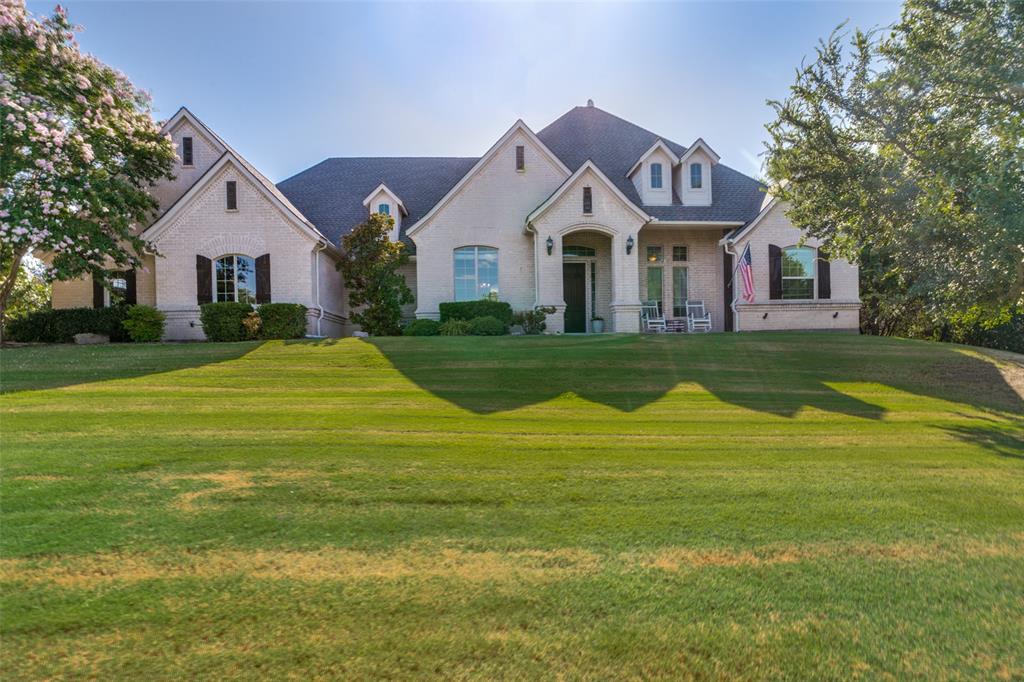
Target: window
x: 235, y: 279
x: 696, y: 176
x: 232, y: 195
x: 654, y: 288
x: 679, y: 253
x: 578, y: 251
x: 520, y: 158
x: 798, y: 272
x: 679, y: 292
x: 476, y: 273
x: 654, y: 254
x: 384, y: 209
x: 588, y: 201
x: 655, y: 176
x: 186, y: 151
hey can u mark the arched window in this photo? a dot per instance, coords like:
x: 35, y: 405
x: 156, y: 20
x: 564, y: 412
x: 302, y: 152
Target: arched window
x: 578, y: 251
x: 476, y: 273
x: 235, y: 279
x: 798, y: 272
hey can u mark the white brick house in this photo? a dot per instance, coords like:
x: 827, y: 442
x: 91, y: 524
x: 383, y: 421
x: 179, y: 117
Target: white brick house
x: 593, y: 216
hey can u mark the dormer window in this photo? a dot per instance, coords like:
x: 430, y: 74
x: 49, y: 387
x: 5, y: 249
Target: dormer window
x: 696, y: 176
x: 384, y: 209
x: 231, y: 191
x: 520, y: 158
x: 186, y: 151
x: 588, y: 201
x: 655, y: 176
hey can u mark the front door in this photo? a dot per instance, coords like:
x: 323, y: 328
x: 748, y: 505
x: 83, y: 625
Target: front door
x: 574, y: 288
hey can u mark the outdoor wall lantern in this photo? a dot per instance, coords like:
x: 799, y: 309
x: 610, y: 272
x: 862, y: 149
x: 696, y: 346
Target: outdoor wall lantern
x: 765, y: 316
x: 629, y: 245
x: 551, y: 245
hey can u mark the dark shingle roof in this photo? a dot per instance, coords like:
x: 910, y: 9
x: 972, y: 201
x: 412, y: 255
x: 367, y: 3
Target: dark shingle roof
x: 331, y: 193
x: 614, y: 145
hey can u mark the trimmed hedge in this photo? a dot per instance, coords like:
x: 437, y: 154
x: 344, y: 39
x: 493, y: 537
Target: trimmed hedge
x: 487, y: 326
x: 469, y: 310
x: 60, y: 326
x: 144, y: 324
x: 223, y: 321
x: 454, y: 328
x: 422, y: 328
x: 282, y: 320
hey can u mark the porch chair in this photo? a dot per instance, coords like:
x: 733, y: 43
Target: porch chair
x: 697, y: 318
x: 651, y: 319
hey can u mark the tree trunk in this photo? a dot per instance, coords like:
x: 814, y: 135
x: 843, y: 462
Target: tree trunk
x: 8, y: 287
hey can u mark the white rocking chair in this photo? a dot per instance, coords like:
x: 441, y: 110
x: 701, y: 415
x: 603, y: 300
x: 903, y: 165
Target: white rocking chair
x: 697, y: 318
x: 651, y: 319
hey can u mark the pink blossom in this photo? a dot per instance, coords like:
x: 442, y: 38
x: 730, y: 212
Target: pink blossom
x: 83, y: 82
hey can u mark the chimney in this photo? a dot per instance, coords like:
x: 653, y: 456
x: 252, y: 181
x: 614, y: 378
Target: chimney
x: 590, y: 103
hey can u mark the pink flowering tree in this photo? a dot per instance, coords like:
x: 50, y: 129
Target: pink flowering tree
x: 78, y: 151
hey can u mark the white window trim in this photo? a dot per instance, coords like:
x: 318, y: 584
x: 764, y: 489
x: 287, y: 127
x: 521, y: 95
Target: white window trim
x: 672, y: 249
x: 650, y: 176
x: 814, y: 274
x: 234, y: 269
x: 476, y: 270
x: 703, y: 176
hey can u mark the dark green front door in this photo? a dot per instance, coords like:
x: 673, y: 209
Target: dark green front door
x: 574, y: 288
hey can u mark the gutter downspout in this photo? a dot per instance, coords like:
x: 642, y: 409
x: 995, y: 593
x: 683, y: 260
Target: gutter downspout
x: 735, y: 314
x: 320, y: 246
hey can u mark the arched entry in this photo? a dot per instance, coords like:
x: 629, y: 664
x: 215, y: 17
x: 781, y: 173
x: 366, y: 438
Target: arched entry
x: 586, y: 280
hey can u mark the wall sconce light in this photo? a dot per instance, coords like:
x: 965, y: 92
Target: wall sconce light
x: 835, y: 314
x: 765, y: 316
x: 629, y: 245
x: 551, y: 245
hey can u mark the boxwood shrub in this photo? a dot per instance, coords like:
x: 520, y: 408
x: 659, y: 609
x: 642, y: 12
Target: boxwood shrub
x: 144, y: 323
x: 223, y: 321
x: 487, y: 326
x: 469, y: 310
x: 60, y: 326
x: 282, y: 320
x: 422, y: 328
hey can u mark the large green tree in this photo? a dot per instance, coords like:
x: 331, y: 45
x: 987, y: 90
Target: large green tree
x: 376, y: 290
x: 79, y: 151
x: 903, y: 149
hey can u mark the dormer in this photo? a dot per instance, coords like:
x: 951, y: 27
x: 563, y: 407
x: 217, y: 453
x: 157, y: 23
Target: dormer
x: 383, y: 200
x: 693, y: 182
x: 652, y: 175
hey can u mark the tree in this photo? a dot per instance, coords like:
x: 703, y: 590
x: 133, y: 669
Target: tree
x: 31, y: 291
x: 904, y: 150
x: 376, y: 291
x: 78, y: 152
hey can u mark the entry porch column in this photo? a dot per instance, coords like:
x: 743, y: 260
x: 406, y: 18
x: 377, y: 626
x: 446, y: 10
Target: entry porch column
x: 625, y: 285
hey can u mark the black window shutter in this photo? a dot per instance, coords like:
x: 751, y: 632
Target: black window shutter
x: 520, y: 157
x: 588, y: 200
x: 263, y: 279
x: 204, y: 280
x: 824, y: 275
x: 97, y: 292
x: 232, y: 191
x: 186, y: 151
x: 774, y: 272
x: 130, y: 292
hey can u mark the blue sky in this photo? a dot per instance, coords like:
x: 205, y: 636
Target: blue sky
x: 289, y: 84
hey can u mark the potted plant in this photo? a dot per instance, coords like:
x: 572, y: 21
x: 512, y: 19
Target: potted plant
x: 597, y: 324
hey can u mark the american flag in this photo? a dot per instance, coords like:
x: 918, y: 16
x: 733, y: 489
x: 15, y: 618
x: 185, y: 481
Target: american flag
x: 746, y: 270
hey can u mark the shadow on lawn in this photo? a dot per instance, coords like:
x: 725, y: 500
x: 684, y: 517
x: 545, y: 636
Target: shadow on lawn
x: 774, y: 373
x: 33, y: 368
x: 993, y: 437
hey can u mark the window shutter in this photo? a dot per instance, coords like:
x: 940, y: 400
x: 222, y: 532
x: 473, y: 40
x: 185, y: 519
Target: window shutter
x: 520, y: 158
x: 204, y: 280
x: 97, y: 292
x: 588, y: 200
x: 263, y: 279
x: 774, y: 272
x: 130, y: 293
x: 232, y: 192
x: 824, y: 275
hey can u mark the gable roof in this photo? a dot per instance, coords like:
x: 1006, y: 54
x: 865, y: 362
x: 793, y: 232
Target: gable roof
x: 331, y: 193
x: 614, y: 145
x: 659, y: 144
x: 384, y: 188
x: 587, y: 166
x: 699, y: 143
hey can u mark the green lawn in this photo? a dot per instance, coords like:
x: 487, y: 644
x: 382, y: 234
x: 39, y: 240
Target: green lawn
x: 798, y: 506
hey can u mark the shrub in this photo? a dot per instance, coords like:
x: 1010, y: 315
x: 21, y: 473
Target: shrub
x: 60, y: 326
x: 224, y: 321
x: 487, y: 326
x: 282, y: 320
x: 469, y: 310
x: 533, y: 321
x: 144, y: 324
x: 422, y: 328
x: 454, y: 328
